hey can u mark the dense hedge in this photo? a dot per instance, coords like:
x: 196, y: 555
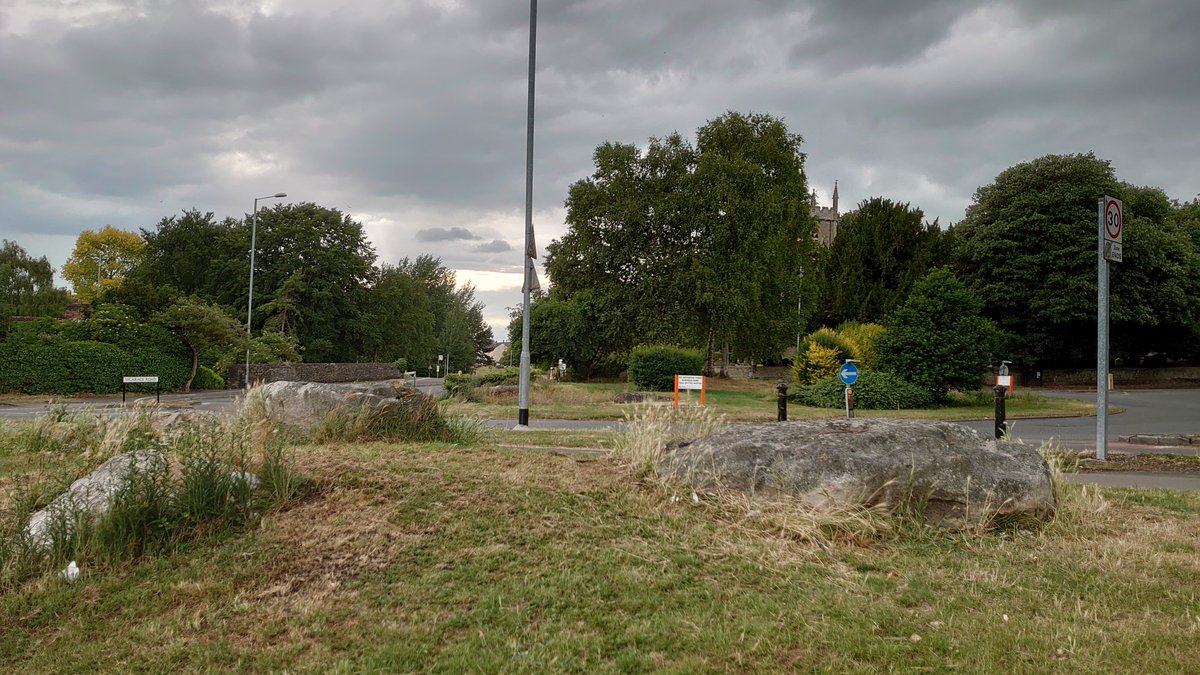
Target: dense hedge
x: 207, y: 378
x: 64, y: 357
x: 462, y: 385
x: 874, y: 390
x: 654, y: 367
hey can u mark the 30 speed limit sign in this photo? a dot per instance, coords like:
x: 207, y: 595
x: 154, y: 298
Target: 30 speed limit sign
x: 1112, y: 220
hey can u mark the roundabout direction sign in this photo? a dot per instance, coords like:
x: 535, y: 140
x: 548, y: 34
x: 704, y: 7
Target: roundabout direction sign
x: 848, y: 373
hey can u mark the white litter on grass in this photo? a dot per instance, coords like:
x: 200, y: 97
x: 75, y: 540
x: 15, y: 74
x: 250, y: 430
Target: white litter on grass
x: 674, y: 498
x: 695, y: 498
x: 71, y: 573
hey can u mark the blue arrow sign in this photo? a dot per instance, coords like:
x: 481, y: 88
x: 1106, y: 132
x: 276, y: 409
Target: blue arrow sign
x: 849, y: 374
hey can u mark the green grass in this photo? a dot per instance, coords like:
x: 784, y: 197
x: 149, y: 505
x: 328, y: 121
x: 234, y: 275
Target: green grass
x: 433, y: 558
x: 751, y: 400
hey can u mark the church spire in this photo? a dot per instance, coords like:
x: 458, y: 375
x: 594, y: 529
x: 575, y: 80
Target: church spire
x: 835, y: 197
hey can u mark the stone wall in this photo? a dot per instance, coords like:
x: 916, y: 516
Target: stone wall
x: 1123, y: 376
x: 312, y: 372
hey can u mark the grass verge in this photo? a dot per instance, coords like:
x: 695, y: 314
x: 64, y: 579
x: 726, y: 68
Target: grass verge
x: 426, y: 557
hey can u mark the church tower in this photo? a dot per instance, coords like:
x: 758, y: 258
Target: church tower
x: 827, y: 219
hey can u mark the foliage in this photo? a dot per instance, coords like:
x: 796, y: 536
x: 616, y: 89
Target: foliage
x: 1038, y: 221
x: 186, y: 252
x: 68, y: 357
x: 861, y: 338
x: 422, y: 419
x: 27, y: 284
x: 650, y: 428
x: 207, y: 378
x: 269, y: 347
x: 874, y: 390
x: 822, y: 353
x: 654, y: 367
x: 201, y: 327
x: 698, y: 245
x: 565, y: 329
x: 882, y: 248
x: 464, y: 385
x: 939, y: 339
x: 101, y: 259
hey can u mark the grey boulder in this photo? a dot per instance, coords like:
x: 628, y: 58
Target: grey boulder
x: 304, y: 405
x: 91, y: 495
x: 958, y: 476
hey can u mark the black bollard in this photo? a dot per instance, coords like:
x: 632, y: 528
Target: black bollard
x: 1001, y: 425
x: 782, y: 389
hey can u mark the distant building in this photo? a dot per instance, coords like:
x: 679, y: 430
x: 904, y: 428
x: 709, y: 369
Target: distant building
x: 828, y: 219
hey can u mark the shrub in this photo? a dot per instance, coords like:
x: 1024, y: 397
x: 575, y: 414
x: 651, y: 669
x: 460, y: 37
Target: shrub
x: 654, y: 367
x: 69, y: 357
x: 874, y: 390
x: 207, y: 378
x: 939, y: 339
x: 821, y: 354
x: 458, y: 385
x: 861, y: 338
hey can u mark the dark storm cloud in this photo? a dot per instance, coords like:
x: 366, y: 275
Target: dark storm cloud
x: 445, y: 234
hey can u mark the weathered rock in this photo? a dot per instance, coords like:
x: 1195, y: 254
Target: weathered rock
x: 504, y: 390
x: 166, y: 422
x: 92, y: 494
x: 958, y: 475
x: 303, y: 405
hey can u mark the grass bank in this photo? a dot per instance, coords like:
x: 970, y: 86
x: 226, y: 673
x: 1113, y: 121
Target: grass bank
x: 749, y: 401
x: 423, y: 557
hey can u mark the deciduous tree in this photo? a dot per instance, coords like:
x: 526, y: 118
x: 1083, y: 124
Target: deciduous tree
x: 101, y: 259
x: 27, y: 284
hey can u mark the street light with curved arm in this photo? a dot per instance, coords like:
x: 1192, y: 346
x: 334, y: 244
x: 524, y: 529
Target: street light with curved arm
x: 250, y: 295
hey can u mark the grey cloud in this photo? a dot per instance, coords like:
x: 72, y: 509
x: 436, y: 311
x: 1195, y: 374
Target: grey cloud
x: 415, y: 112
x: 445, y: 234
x: 493, y: 246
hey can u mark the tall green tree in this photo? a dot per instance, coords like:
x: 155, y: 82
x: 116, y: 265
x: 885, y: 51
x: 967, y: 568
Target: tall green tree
x: 938, y: 339
x: 27, y: 284
x: 1028, y: 245
x: 459, y: 332
x: 697, y: 245
x: 882, y: 249
x: 752, y: 233
x: 313, y: 264
x: 186, y: 252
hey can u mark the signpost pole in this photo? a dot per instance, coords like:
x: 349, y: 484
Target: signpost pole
x: 1109, y: 244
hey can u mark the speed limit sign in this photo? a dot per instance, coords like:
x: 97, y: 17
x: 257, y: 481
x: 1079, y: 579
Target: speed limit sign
x: 1112, y: 217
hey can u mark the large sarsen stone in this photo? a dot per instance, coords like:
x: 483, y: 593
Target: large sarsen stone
x: 958, y: 475
x: 304, y: 405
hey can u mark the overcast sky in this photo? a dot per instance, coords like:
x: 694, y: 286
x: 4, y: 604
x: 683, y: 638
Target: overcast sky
x: 410, y: 115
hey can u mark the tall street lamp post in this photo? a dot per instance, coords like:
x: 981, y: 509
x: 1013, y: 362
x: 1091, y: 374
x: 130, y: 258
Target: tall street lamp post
x: 250, y: 296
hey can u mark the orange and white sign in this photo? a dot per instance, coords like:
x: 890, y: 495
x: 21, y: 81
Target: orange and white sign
x: 690, y: 383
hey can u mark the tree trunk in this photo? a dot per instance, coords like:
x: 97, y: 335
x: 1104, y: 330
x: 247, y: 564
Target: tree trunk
x: 195, y: 365
x: 708, y: 359
x: 725, y: 359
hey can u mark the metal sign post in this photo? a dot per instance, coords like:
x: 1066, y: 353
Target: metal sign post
x: 1110, y: 247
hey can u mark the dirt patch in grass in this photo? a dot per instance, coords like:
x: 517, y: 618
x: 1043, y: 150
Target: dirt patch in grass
x: 1123, y: 461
